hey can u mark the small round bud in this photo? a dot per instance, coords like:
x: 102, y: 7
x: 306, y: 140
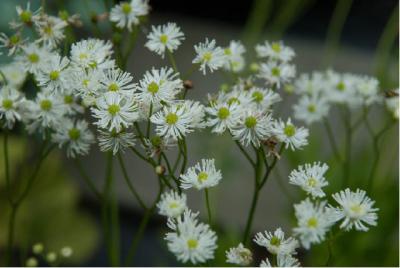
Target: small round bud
x: 188, y: 84
x: 51, y: 257
x: 116, y: 38
x: 160, y: 170
x: 254, y: 67
x: 31, y: 262
x: 66, y: 252
x: 224, y: 87
x: 38, y: 248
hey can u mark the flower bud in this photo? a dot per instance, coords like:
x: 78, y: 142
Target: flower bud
x: 31, y: 262
x: 38, y: 248
x: 188, y: 84
x: 160, y: 170
x: 51, y: 257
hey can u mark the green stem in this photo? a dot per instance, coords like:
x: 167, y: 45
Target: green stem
x: 171, y: 173
x: 142, y: 227
x: 86, y: 178
x: 148, y: 121
x: 184, y: 153
x: 6, y: 164
x: 129, y: 183
x: 335, y: 28
x: 172, y: 60
x: 208, y: 205
x: 245, y: 153
x: 332, y: 142
x: 348, y: 145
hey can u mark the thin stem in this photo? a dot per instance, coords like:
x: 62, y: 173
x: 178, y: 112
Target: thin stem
x: 142, y: 227
x: 332, y: 142
x: 245, y: 153
x: 86, y: 178
x: 208, y: 205
x: 183, y: 147
x: 129, y: 183
x: 6, y: 164
x: 172, y: 60
x: 175, y: 167
x: 171, y: 172
x: 347, y: 160
x: 148, y: 121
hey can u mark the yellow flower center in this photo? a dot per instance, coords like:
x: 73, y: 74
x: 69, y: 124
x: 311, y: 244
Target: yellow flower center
x: 83, y: 56
x: 276, y: 47
x: 311, y: 182
x: 74, y: 134
x: 228, y: 51
x: 68, y: 99
x: 48, y: 30
x: 126, y: 8
x: 164, y: 39
x: 312, y: 222
x: 289, y: 130
x: 171, y: 118
x: 223, y: 113
x: 207, y: 56
x: 202, y: 176
x: 153, y: 88
x: 25, y: 16
x: 173, y: 205
x: 250, y: 122
x: 7, y: 104
x: 113, y: 109
x: 275, y: 241
x: 257, y: 96
x: 54, y: 75
x: 311, y: 108
x: 357, y: 208
x: 275, y: 71
x: 233, y: 100
x: 15, y: 39
x: 341, y: 86
x: 34, y: 58
x: 85, y: 82
x: 192, y: 243
x: 113, y: 87
x: 46, y: 105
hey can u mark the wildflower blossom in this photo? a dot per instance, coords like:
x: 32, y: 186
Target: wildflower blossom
x: 190, y: 240
x: 25, y: 16
x: 222, y: 116
x: 276, y: 243
x: 53, y: 74
x: 172, y: 204
x: 293, y: 137
x: 92, y: 54
x: 33, y: 57
x: 234, y: 53
x: 282, y: 261
x: 209, y: 55
x: 263, y: 98
x: 51, y: 30
x: 13, y: 73
x: 115, y: 141
x: 311, y: 109
x: 202, y: 175
x: 276, y: 74
x: 275, y: 51
x: 239, y: 255
x: 11, y: 101
x: 310, y: 178
x: 163, y: 38
x: 127, y: 14
x: 116, y: 80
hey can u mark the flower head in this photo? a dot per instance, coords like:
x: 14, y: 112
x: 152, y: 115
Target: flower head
x: 234, y: 53
x: 126, y: 14
x: 201, y: 176
x: 11, y: 101
x: 276, y: 51
x: 276, y: 74
x: 294, y: 137
x: 239, y: 255
x: 115, y: 141
x: 172, y: 204
x: 167, y: 37
x: 310, y: 178
x: 209, y: 55
x: 276, y: 243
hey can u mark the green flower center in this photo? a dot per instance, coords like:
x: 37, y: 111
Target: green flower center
x: 153, y: 88
x: 46, y: 105
x: 341, y: 86
x: 311, y: 108
x: 15, y: 39
x: 34, y: 58
x: 223, y: 113
x: 156, y: 141
x: 275, y: 71
x: 85, y: 82
x: 312, y: 222
x: 250, y: 122
x: 356, y: 208
x: 202, y: 176
x: 7, y: 104
x: 275, y: 241
x: 289, y: 130
x: 311, y: 182
x: 276, y: 47
x: 126, y: 8
x: 228, y: 51
x: 207, y: 56
x: 257, y: 96
x: 113, y: 87
x: 74, y: 134
x: 192, y: 243
x: 54, y: 75
x: 83, y: 56
x: 164, y: 39
x: 93, y: 64
x: 113, y: 109
x: 68, y: 99
x: 171, y: 118
x: 25, y: 16
x: 48, y: 30
x: 173, y: 205
x: 233, y: 100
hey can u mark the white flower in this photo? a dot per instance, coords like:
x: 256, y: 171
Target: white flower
x: 26, y: 16
x: 85, y: 84
x: 13, y: 43
x: 157, y: 144
x: 76, y: 135
x: 47, y: 111
x: 196, y: 111
x: 173, y: 122
x: 311, y: 109
x: 254, y: 126
x: 263, y: 98
x: 368, y: 89
x: 190, y: 240
x: 172, y: 204
x: 294, y: 137
x: 92, y: 54
x: 276, y: 243
x: 275, y: 51
x: 164, y: 37
x: 201, y: 176
x: 234, y: 54
x: 33, y: 58
x: 341, y: 88
x: 115, y: 141
x: 282, y: 261
x: 158, y: 86
x: 392, y: 104
x: 127, y: 14
x: 276, y: 73
x: 114, y: 111
x: 310, y: 178
x: 11, y: 101
x: 208, y: 55
x: 53, y: 74
x: 239, y: 255
x: 14, y: 74
x: 310, y: 84
x: 356, y: 210
x: 313, y: 222
x: 222, y: 116
x: 51, y: 30
x: 116, y: 80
